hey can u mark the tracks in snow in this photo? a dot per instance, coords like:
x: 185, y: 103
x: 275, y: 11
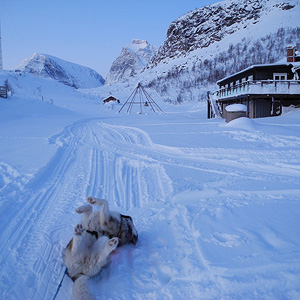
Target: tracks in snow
x: 123, y: 165
x: 30, y: 243
x: 93, y: 159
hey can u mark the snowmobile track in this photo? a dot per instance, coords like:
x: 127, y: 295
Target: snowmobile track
x: 88, y: 162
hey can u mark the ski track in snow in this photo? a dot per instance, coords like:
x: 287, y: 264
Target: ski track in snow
x: 123, y: 165
x: 86, y: 161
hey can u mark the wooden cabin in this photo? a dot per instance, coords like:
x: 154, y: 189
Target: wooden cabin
x: 111, y: 98
x: 264, y: 89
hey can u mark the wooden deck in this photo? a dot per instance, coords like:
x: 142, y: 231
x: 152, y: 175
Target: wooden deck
x: 263, y: 98
x: 261, y: 87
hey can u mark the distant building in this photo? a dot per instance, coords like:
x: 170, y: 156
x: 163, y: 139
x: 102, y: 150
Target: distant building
x: 111, y: 98
x: 264, y: 89
x: 3, y: 92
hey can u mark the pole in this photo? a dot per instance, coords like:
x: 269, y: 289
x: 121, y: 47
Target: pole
x: 1, y: 61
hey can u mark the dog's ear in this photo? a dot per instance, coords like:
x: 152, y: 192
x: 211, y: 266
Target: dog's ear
x: 126, y: 217
x: 70, y: 245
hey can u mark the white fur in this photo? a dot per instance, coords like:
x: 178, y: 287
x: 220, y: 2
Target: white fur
x: 103, y: 220
x: 81, y: 289
x: 107, y: 222
x: 85, y: 256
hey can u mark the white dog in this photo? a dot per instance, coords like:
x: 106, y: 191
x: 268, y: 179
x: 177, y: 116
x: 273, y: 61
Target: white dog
x: 106, y: 222
x: 84, y: 257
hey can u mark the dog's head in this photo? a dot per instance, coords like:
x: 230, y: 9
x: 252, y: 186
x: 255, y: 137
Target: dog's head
x: 128, y: 233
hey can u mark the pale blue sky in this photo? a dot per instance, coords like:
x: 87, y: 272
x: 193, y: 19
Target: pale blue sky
x: 88, y: 32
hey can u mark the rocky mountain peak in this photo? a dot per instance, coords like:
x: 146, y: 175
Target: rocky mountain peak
x: 132, y: 60
x: 137, y: 44
x: 204, y: 26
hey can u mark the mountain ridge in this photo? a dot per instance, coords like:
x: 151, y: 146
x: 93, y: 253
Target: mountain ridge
x: 181, y: 73
x: 71, y: 74
x: 131, y: 61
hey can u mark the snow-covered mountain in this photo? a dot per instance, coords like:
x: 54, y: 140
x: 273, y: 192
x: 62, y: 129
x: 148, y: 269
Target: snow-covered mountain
x: 131, y: 61
x: 47, y: 66
x: 202, y: 27
x: 209, y: 43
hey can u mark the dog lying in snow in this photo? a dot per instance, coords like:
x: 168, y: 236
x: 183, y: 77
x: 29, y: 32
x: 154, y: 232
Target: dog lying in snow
x: 99, y: 234
x: 84, y: 257
x: 106, y: 222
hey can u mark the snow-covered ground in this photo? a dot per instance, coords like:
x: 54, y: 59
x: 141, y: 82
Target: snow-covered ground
x: 216, y: 205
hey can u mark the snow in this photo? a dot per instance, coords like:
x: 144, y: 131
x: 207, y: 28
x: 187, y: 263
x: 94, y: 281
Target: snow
x: 137, y: 44
x: 131, y: 61
x: 71, y: 74
x: 249, y: 30
x: 216, y: 205
x: 236, y: 107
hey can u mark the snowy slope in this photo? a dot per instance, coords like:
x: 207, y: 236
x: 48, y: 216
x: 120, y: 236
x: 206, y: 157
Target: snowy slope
x: 131, y: 61
x: 71, y: 74
x: 216, y: 205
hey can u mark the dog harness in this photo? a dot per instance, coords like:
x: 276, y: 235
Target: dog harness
x: 128, y: 221
x: 93, y: 233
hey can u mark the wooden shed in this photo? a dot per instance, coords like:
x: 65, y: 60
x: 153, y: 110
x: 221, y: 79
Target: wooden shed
x: 111, y: 98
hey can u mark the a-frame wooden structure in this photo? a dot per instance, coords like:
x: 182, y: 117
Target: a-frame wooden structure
x: 141, y: 98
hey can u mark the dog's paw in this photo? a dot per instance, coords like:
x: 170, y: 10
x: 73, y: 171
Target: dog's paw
x: 113, y: 243
x: 78, y: 229
x: 91, y: 200
x: 84, y: 208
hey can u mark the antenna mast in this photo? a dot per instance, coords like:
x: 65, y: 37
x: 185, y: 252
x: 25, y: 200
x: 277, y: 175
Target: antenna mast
x: 1, y: 62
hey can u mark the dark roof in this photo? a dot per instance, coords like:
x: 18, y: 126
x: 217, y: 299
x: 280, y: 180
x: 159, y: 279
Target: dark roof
x: 110, y: 98
x: 262, y: 66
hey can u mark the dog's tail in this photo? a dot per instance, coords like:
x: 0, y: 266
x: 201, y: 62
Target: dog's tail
x: 81, y: 289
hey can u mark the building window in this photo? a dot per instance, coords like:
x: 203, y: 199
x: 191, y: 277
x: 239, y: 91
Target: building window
x: 280, y: 76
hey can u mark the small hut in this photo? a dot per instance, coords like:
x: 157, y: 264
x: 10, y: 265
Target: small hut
x: 142, y: 100
x: 111, y: 98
